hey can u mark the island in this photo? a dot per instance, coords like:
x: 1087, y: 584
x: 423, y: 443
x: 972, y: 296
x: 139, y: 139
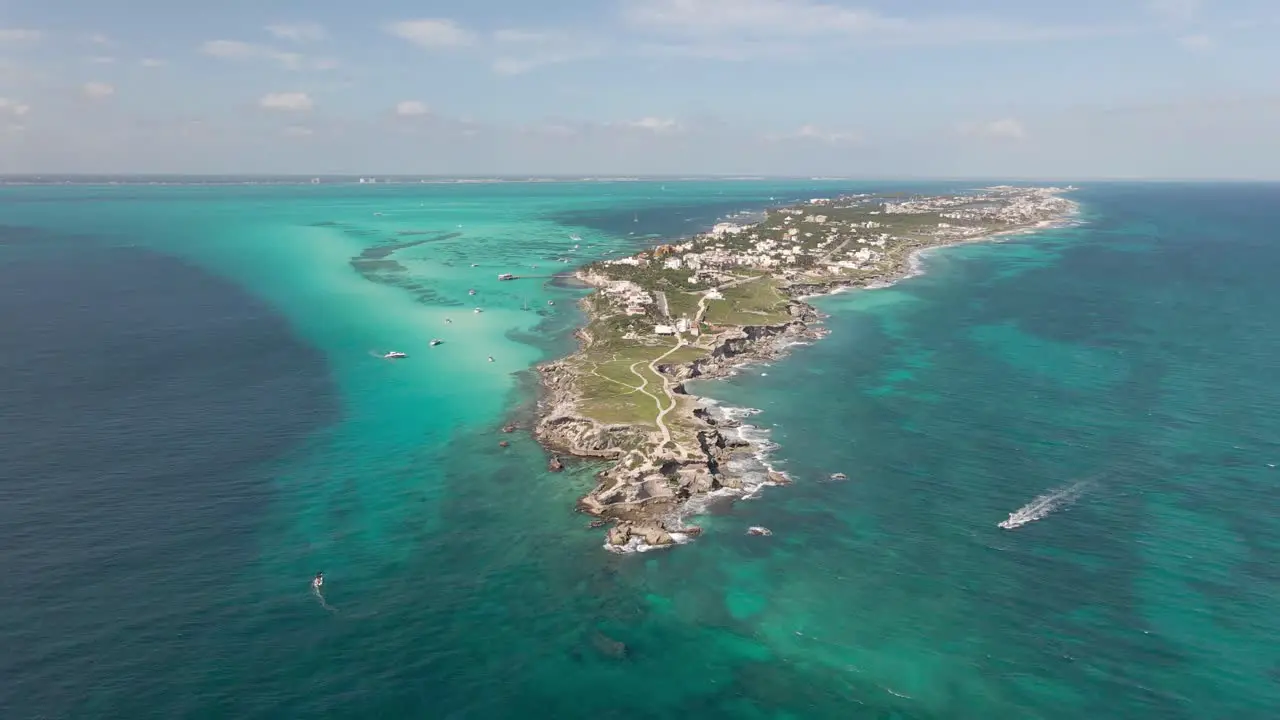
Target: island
x: 703, y: 307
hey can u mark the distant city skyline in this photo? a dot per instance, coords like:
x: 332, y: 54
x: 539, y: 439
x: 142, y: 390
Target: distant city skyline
x: 1160, y: 89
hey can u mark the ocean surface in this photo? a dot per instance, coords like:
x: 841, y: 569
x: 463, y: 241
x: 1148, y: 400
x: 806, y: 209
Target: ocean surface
x: 195, y: 419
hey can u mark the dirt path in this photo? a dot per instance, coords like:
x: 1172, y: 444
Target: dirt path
x: 827, y: 258
x: 666, y: 389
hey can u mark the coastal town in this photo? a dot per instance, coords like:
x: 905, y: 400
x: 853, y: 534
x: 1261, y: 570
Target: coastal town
x: 701, y: 308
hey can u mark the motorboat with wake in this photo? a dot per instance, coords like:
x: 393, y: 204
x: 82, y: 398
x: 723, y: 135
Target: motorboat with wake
x: 436, y: 341
x: 395, y: 355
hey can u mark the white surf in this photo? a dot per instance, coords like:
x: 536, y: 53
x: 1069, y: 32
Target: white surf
x: 1045, y: 504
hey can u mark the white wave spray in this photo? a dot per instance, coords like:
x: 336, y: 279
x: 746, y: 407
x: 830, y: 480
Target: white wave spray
x: 1046, y: 504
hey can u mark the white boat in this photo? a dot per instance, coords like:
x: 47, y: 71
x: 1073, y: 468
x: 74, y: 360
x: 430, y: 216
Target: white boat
x: 479, y: 310
x: 435, y: 342
x: 395, y: 354
x: 471, y: 292
x: 506, y: 276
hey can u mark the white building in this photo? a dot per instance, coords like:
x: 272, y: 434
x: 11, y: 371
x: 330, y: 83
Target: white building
x: 664, y: 330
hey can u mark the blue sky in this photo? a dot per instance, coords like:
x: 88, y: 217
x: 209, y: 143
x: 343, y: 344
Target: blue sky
x: 1091, y: 88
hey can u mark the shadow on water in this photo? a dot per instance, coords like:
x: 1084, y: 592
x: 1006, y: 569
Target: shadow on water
x: 142, y: 396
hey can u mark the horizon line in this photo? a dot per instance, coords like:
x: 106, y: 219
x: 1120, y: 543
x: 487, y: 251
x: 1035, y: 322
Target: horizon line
x: 672, y: 177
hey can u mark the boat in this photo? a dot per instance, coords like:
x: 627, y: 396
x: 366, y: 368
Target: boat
x: 479, y: 310
x: 394, y: 354
x: 471, y: 292
x: 436, y: 341
x: 506, y: 276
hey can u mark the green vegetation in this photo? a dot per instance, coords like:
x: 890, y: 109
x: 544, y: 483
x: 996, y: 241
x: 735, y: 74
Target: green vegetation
x: 618, y: 384
x: 756, y: 302
x: 682, y: 304
x: 849, y: 240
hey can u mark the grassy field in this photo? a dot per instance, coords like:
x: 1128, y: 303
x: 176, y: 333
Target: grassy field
x: 757, y: 302
x: 682, y: 304
x: 606, y: 378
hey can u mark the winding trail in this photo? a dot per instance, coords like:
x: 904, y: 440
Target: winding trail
x: 666, y: 389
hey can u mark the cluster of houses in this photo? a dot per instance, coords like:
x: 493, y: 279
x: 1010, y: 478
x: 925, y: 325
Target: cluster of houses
x: 711, y: 257
x: 806, y: 240
x: 682, y: 325
x: 630, y: 296
x: 993, y: 204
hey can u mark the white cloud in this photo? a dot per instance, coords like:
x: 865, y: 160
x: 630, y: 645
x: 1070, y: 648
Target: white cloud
x: 817, y: 134
x: 13, y: 108
x: 655, y: 124
x: 1196, y: 42
x: 153, y: 62
x: 288, y: 101
x: 19, y: 35
x: 102, y: 40
x: 1003, y: 129
x: 555, y: 129
x: 412, y: 108
x: 737, y: 29
x: 1174, y: 10
x: 783, y: 17
x: 234, y: 50
x: 298, y: 32
x: 102, y: 60
x: 298, y: 131
x: 97, y: 90
x: 520, y: 36
x: 522, y: 65
x: 431, y: 32
x: 237, y: 50
x: 521, y: 51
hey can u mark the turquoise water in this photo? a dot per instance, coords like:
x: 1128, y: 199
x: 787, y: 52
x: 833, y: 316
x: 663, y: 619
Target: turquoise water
x: 1131, y: 354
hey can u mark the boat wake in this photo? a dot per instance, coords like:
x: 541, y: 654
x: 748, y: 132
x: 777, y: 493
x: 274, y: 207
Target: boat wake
x: 1046, y: 504
x: 320, y: 596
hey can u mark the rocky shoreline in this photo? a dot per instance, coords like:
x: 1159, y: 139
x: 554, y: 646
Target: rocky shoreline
x: 646, y: 492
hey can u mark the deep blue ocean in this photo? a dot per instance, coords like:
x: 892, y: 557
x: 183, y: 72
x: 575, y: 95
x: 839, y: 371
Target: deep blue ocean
x: 194, y: 420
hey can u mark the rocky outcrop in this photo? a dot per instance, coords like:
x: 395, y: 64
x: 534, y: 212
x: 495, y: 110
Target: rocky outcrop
x: 778, y: 478
x: 651, y: 480
x: 609, y: 647
x: 652, y: 534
